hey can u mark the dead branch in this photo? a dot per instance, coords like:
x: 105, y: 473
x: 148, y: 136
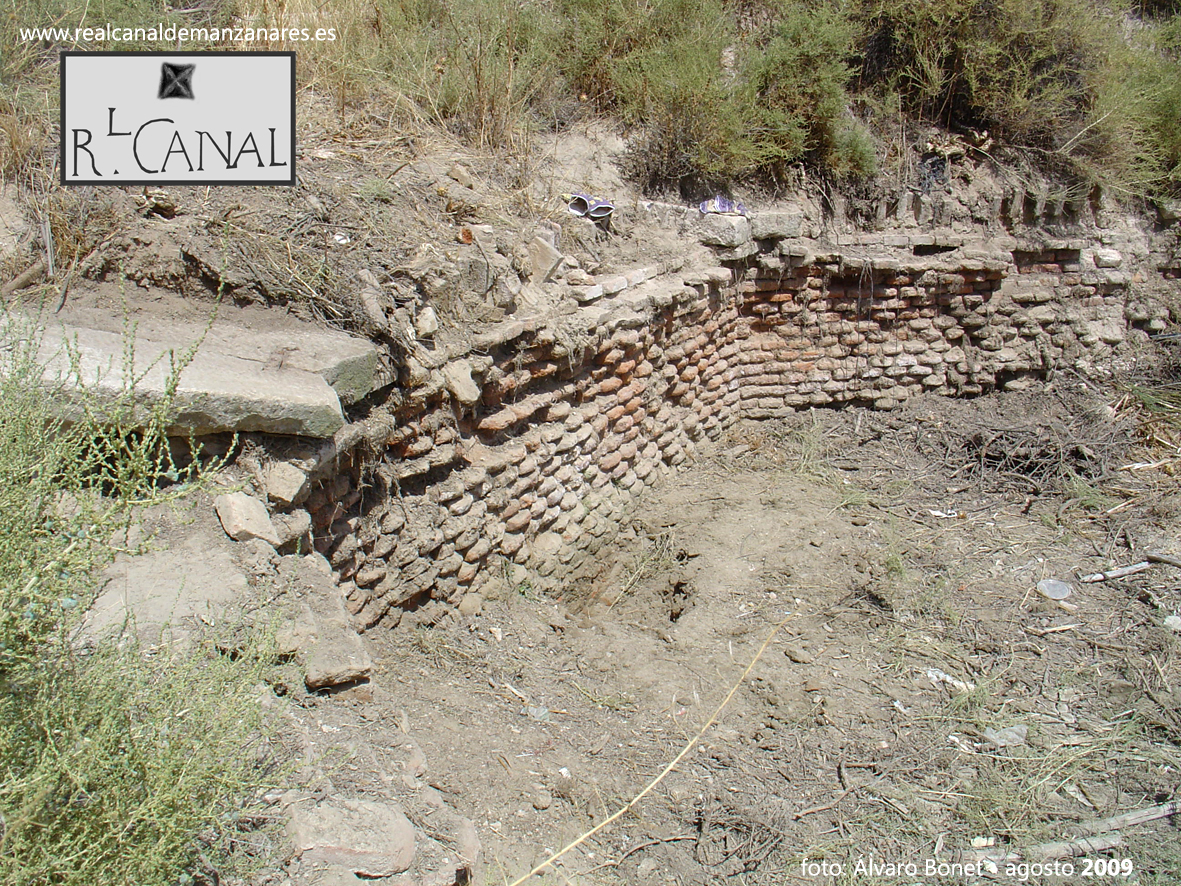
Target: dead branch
x: 1095, y: 836
x: 1121, y: 572
x: 1175, y: 562
x: 1130, y: 819
x: 27, y: 278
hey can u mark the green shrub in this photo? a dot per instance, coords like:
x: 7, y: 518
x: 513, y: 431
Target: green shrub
x: 113, y: 764
x: 1024, y: 69
x: 112, y: 761
x: 711, y: 105
x: 800, y: 79
x: 476, y: 67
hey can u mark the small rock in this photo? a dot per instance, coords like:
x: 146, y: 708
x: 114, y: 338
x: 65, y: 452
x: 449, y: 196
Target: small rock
x: 542, y: 800
x: 367, y: 838
x: 426, y: 324
x: 292, y: 529
x: 244, y: 517
x: 458, y: 377
x: 585, y: 294
x: 286, y: 484
x: 471, y: 604
x: 543, y: 259
x: 460, y: 174
x: 798, y: 654
x: 1108, y: 258
x: 1173, y: 622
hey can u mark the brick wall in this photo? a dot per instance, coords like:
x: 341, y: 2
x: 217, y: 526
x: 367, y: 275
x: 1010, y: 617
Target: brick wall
x: 529, y: 447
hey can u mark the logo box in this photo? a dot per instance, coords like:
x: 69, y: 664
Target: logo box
x: 177, y: 118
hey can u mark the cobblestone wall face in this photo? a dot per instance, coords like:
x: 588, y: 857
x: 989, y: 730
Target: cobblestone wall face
x: 530, y: 447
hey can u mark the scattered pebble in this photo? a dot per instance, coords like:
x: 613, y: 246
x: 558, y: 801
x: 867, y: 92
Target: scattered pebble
x: 798, y: 654
x: 1009, y: 737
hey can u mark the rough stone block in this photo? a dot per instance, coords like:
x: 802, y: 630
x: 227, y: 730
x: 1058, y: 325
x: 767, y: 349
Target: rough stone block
x: 458, y: 377
x: 727, y: 231
x: 368, y: 838
x: 776, y: 225
x: 244, y: 517
x: 292, y: 528
x: 543, y: 259
x: 338, y: 657
x: 286, y: 484
x: 1108, y: 258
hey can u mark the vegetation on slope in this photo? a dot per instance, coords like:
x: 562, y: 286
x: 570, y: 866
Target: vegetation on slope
x: 114, y: 758
x: 714, y: 91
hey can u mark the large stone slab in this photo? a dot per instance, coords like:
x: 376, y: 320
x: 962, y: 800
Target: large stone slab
x: 727, y: 231
x: 219, y: 390
x: 334, y: 654
x: 174, y: 589
x: 370, y: 839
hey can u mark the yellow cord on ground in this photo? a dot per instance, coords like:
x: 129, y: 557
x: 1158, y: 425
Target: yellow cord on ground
x: 667, y: 769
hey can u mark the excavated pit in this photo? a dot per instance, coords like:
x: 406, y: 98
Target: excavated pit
x: 527, y: 447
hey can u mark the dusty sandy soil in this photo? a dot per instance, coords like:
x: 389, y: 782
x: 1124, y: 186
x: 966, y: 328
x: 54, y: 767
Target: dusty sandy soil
x: 901, y: 565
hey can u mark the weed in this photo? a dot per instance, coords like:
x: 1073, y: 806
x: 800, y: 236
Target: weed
x: 112, y: 761
x: 1087, y: 495
x: 617, y: 703
x: 658, y: 556
x: 714, y: 91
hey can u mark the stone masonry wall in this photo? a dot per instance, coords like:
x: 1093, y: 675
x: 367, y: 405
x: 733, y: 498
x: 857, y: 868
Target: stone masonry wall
x: 527, y: 448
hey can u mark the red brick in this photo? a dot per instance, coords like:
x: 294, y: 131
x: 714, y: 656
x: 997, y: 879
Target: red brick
x: 610, y: 384
x: 498, y: 421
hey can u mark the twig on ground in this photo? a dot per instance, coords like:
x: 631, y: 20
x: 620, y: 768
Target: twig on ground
x: 1164, y: 558
x: 28, y: 277
x: 647, y: 844
x: 1095, y: 836
x: 812, y: 810
x: 1130, y: 819
x: 1121, y: 572
x: 1043, y: 851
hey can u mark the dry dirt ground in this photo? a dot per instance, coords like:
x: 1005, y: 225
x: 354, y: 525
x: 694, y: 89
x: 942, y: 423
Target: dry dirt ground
x: 920, y: 697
